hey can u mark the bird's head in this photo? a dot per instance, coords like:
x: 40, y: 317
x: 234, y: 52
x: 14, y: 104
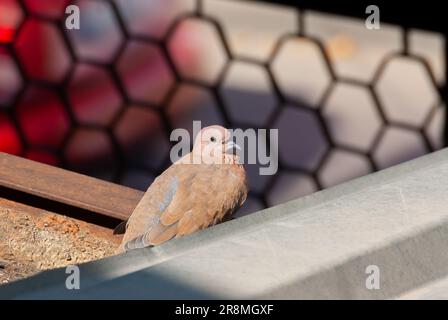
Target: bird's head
x: 214, y: 144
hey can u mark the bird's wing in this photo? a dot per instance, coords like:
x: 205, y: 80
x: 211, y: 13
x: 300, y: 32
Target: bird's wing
x: 184, y: 199
x: 166, y: 201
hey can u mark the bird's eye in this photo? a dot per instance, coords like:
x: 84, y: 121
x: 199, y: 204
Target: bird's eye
x: 212, y: 139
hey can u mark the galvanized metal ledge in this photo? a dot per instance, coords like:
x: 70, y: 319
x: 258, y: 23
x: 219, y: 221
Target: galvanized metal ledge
x: 314, y: 247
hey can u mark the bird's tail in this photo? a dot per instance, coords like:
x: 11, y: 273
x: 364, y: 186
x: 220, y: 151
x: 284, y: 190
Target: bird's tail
x: 121, y: 228
x: 136, y: 243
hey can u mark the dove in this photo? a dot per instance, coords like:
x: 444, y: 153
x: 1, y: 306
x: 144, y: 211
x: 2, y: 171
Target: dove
x: 199, y: 190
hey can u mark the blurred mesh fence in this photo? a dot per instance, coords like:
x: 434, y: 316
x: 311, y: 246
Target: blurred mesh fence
x: 103, y: 100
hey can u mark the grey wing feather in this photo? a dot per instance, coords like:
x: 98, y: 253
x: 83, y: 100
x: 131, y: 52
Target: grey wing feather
x: 143, y: 240
x: 136, y: 243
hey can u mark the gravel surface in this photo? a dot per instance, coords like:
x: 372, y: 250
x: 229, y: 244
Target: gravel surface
x: 30, y: 243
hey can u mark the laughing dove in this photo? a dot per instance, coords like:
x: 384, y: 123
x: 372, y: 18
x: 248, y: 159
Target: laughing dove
x: 197, y: 191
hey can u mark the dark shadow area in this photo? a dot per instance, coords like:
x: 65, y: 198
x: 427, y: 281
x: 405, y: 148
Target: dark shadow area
x: 59, y: 208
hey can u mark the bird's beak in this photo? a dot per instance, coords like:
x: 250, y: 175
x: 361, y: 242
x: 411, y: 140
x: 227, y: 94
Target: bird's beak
x: 231, y: 147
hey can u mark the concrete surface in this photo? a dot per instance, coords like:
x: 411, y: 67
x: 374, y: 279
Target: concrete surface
x: 318, y: 246
x: 436, y: 290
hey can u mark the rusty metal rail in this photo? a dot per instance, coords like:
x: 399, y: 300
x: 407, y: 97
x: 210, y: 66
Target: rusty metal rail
x: 52, y: 217
x: 65, y: 192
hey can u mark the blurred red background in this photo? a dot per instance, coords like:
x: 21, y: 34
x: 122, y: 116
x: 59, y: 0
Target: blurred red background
x: 103, y: 100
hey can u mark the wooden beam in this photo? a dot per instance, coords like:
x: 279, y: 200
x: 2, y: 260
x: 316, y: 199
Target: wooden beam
x: 67, y: 187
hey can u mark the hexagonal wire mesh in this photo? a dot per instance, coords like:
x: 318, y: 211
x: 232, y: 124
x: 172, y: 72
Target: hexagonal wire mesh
x: 103, y: 100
